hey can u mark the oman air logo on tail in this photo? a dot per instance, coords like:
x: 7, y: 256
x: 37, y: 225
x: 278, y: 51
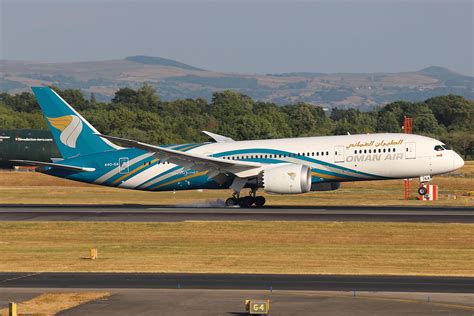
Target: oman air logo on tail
x: 70, y: 127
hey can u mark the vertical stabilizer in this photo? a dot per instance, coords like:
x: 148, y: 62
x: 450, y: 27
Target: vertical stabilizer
x: 73, y: 135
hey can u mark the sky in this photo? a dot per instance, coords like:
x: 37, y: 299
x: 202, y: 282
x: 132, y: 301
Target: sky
x: 246, y: 36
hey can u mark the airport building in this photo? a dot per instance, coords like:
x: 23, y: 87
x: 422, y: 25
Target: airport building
x: 26, y: 144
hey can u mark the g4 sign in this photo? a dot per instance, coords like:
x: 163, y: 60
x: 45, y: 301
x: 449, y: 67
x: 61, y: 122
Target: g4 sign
x: 259, y: 307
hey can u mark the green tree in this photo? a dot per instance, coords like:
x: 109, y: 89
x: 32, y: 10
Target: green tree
x: 93, y: 100
x: 353, y: 121
x: 462, y: 142
x: 228, y: 107
x: 147, y: 99
x: 453, y: 111
x: 140, y: 114
x: 144, y: 98
x: 75, y: 98
x: 307, y: 120
x: 273, y: 121
x: 125, y: 96
x: 22, y: 102
x: 387, y: 123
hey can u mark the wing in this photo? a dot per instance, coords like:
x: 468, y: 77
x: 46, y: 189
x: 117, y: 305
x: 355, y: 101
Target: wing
x: 194, y: 161
x: 54, y: 165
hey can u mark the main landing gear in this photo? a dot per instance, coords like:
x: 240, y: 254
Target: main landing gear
x: 246, y: 201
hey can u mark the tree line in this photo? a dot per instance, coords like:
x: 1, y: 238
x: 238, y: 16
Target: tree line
x: 140, y: 114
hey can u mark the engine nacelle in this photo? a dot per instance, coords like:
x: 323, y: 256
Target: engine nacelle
x: 286, y: 179
x: 325, y: 186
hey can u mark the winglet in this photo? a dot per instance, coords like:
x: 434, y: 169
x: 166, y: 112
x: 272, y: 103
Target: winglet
x: 219, y: 138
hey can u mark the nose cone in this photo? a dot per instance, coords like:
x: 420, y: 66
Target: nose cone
x: 458, y: 162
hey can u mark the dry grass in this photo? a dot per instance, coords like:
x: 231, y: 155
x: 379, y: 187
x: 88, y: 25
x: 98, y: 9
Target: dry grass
x: 53, y: 303
x: 36, y: 188
x: 240, y: 247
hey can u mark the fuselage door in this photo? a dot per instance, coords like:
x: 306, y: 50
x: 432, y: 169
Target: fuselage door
x: 338, y: 153
x: 123, y: 165
x: 410, y: 150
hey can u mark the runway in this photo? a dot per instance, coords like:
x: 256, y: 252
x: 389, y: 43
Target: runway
x: 238, y: 281
x: 167, y: 213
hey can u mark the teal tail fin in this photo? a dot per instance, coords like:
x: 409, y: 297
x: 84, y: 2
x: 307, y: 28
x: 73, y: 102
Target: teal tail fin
x: 73, y: 135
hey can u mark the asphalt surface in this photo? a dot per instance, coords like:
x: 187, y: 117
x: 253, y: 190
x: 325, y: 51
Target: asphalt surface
x: 231, y: 302
x: 238, y: 281
x: 164, y: 213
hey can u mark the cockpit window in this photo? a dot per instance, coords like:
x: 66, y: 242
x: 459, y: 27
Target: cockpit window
x: 446, y: 147
x: 438, y: 148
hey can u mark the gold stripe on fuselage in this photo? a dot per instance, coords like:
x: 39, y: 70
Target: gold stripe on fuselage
x: 133, y: 172
x: 180, y: 179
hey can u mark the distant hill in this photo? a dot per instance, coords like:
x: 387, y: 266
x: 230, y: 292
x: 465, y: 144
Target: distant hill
x: 447, y: 77
x: 148, y: 60
x: 176, y: 80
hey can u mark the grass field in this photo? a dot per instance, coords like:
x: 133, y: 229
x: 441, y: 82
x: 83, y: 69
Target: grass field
x: 53, y: 303
x: 31, y: 187
x: 240, y: 247
x: 236, y: 247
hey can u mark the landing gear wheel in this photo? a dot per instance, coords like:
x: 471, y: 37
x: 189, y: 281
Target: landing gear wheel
x: 246, y: 201
x: 259, y: 201
x: 422, y: 190
x: 231, y: 201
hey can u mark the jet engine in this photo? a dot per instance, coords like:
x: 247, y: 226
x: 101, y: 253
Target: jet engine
x: 286, y: 179
x: 325, y: 186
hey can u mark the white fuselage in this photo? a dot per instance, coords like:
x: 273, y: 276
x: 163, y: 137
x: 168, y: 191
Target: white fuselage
x: 331, y: 158
x: 386, y: 155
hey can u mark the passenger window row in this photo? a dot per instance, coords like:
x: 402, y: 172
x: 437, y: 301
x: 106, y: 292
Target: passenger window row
x: 374, y: 151
x: 308, y: 154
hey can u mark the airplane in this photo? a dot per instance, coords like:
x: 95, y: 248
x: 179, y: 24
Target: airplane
x: 280, y: 166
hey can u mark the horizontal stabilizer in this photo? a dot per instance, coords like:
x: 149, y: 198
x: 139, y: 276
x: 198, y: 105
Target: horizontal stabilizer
x: 53, y: 165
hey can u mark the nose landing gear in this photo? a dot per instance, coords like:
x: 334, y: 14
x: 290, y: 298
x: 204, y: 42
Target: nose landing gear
x: 422, y: 190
